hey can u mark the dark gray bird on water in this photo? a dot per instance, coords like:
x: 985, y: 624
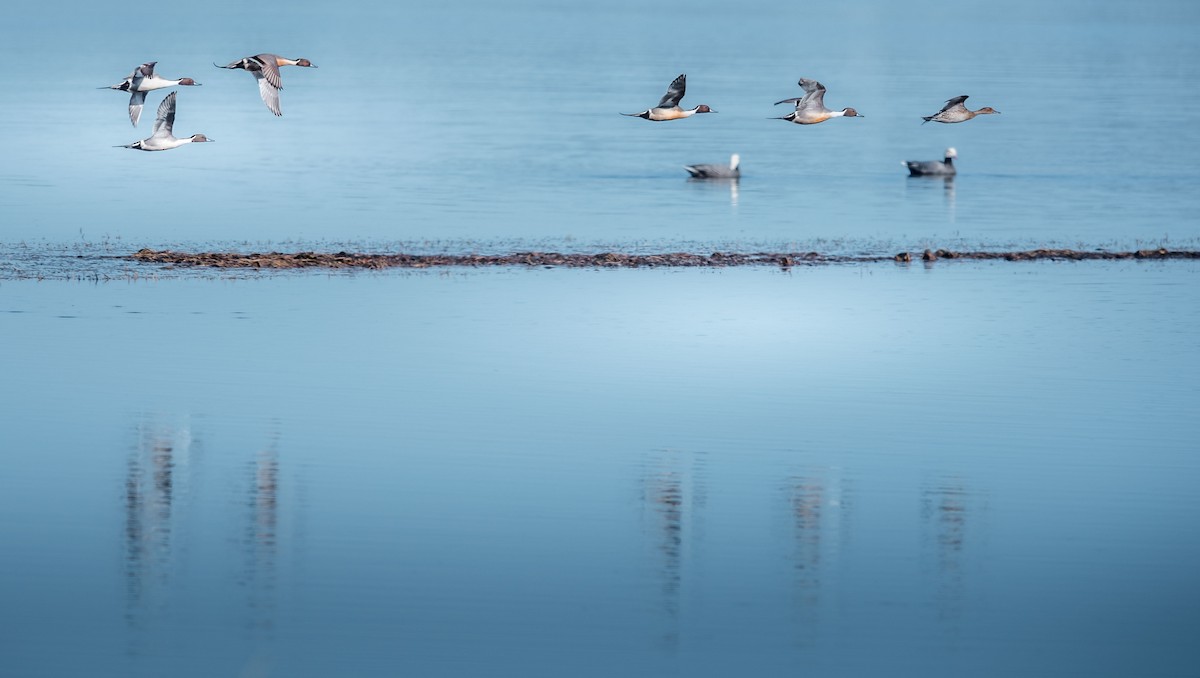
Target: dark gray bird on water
x: 933, y: 168
x: 729, y: 171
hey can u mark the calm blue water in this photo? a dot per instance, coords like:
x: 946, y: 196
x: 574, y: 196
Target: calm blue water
x: 481, y: 123
x: 982, y: 469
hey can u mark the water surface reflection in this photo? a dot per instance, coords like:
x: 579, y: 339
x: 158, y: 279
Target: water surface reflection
x: 674, y: 489
x: 155, y: 482
x: 388, y: 506
x: 261, y: 536
x: 717, y: 184
x: 951, y: 539
x: 923, y: 185
x: 819, y: 504
x: 188, y: 525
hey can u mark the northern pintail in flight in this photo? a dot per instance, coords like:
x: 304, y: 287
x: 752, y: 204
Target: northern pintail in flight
x: 955, y: 111
x: 933, y: 168
x: 668, y: 108
x: 143, y: 79
x: 729, y: 171
x: 162, y: 139
x: 810, y: 109
x: 265, y: 68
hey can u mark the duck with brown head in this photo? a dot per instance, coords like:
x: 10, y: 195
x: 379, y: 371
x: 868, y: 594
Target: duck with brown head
x: 810, y: 108
x: 668, y: 107
x: 955, y: 111
x: 162, y: 139
x: 143, y: 79
x: 265, y: 68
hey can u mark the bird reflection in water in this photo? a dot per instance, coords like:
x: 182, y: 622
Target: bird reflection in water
x: 718, y: 184
x: 927, y: 183
x: 159, y: 491
x: 948, y: 194
x: 946, y: 518
x: 260, y: 544
x: 155, y: 483
x: 819, y: 504
x: 673, y: 497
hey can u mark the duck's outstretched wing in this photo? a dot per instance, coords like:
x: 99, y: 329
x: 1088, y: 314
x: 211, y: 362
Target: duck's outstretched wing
x: 144, y: 71
x: 270, y: 69
x: 951, y: 103
x: 165, y: 120
x: 674, y: 92
x: 136, y: 101
x: 814, y: 94
x: 813, y: 91
x: 810, y: 86
x: 268, y: 92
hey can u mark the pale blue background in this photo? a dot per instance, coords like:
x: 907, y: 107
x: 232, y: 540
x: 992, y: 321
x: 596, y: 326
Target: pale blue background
x: 972, y: 468
x: 982, y: 469
x: 484, y: 124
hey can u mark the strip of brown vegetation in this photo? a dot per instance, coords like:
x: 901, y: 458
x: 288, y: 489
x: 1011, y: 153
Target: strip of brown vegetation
x: 1055, y: 254
x: 283, y: 260
x: 378, y: 261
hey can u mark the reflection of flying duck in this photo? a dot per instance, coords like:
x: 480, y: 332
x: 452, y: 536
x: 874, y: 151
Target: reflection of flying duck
x: 729, y: 171
x: 955, y: 111
x: 668, y: 108
x: 162, y: 139
x: 265, y: 68
x: 143, y: 79
x: 810, y: 108
x: 933, y: 168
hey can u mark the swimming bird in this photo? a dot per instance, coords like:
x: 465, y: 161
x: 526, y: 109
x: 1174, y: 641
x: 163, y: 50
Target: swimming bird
x: 143, y: 79
x: 955, y: 111
x: 162, y: 139
x: 810, y: 109
x: 716, y: 171
x: 668, y: 108
x: 933, y: 168
x: 265, y: 68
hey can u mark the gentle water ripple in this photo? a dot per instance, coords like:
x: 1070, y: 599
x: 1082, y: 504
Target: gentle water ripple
x: 682, y: 468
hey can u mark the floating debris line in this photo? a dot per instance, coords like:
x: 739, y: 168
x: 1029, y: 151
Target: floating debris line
x: 284, y: 260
